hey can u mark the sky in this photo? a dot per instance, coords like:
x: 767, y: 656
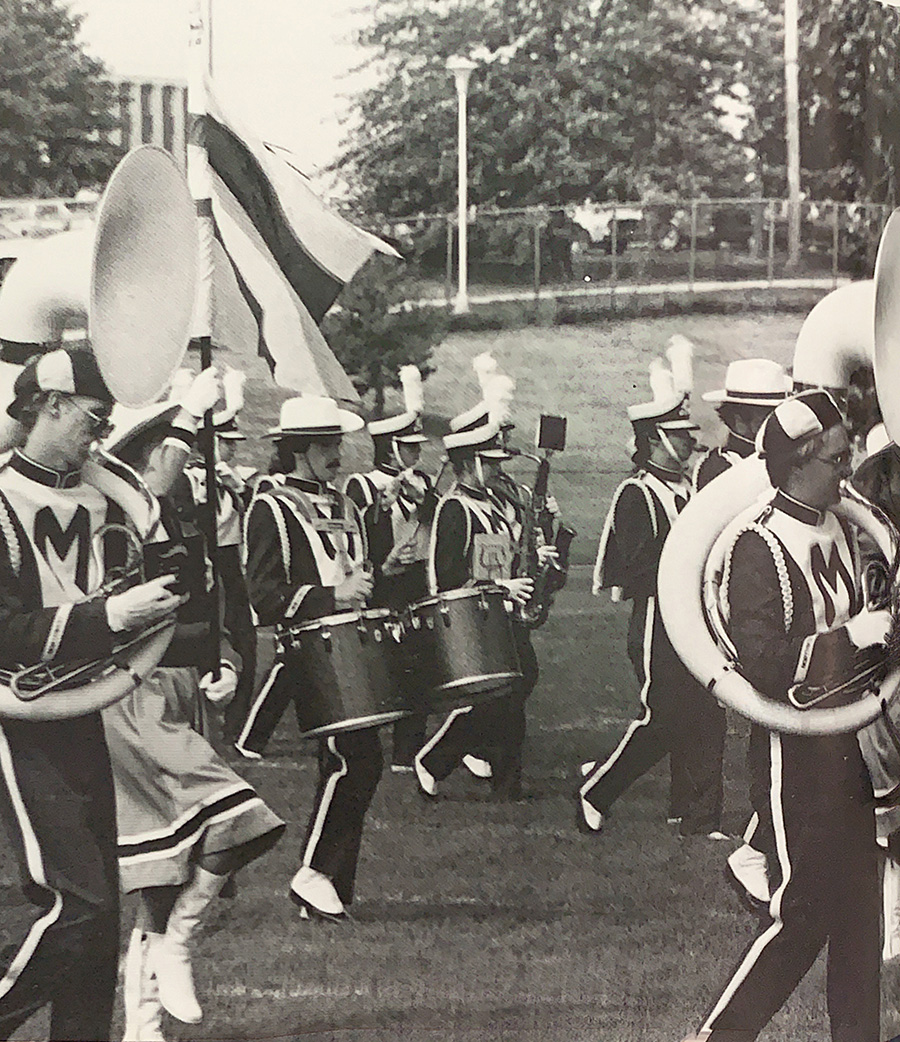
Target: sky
x: 281, y: 66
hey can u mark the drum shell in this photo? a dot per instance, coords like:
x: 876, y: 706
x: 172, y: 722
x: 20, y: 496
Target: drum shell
x: 349, y: 672
x: 460, y: 648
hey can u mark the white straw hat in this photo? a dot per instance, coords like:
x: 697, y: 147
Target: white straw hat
x: 313, y: 414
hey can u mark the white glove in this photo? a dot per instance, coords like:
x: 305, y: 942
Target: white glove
x: 203, y: 393
x: 233, y: 382
x: 221, y: 691
x: 869, y: 627
x: 551, y: 506
x: 519, y: 590
x: 142, y: 605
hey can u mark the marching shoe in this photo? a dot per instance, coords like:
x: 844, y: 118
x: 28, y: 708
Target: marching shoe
x: 589, y: 820
x: 171, y: 955
x: 427, y: 781
x: 717, y: 835
x: 140, y: 992
x: 401, y: 768
x: 747, y: 870
x: 316, y: 896
x: 673, y: 821
x: 587, y: 767
x: 475, y: 765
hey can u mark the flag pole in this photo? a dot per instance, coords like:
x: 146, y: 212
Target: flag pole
x: 200, y: 181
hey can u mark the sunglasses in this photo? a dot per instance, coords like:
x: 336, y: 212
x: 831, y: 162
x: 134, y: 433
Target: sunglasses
x: 99, y: 425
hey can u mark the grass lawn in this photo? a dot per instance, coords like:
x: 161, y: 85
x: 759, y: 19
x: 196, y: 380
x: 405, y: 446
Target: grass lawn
x: 478, y: 921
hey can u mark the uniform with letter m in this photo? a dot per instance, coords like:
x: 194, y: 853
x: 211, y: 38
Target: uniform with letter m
x: 303, y: 539
x: 792, y: 608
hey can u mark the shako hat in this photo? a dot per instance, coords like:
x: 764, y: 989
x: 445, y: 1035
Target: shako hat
x: 314, y: 414
x: 131, y: 423
x: 407, y: 425
x: 483, y: 430
x: 794, y: 421
x: 752, y: 381
x: 69, y: 371
x: 671, y: 388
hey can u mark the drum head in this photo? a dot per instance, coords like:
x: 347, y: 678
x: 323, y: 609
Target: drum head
x: 144, y: 276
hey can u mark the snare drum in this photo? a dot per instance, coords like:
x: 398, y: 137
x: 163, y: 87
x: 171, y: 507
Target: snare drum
x: 460, y: 647
x: 350, y: 671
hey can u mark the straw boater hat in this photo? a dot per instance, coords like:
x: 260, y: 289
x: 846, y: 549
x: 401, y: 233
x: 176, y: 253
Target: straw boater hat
x: 314, y: 415
x: 752, y: 381
x: 405, y: 426
x: 671, y: 388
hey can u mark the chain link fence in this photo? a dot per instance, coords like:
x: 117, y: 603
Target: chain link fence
x: 549, y: 249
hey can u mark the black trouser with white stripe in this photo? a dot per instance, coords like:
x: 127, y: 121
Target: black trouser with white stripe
x: 824, y: 872
x: 59, y: 944
x: 679, y: 719
x: 350, y: 767
x: 267, y: 709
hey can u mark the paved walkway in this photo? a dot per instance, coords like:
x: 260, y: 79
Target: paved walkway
x: 624, y: 289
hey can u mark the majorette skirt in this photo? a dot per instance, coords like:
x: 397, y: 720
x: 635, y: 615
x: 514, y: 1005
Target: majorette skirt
x: 176, y: 799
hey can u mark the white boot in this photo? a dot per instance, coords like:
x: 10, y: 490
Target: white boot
x: 143, y: 1010
x: 891, y: 909
x: 171, y: 957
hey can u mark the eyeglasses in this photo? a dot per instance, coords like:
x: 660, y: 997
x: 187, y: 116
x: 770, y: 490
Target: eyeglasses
x: 100, y: 425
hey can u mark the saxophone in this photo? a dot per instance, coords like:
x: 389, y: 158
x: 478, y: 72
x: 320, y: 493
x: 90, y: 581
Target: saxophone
x: 537, y: 529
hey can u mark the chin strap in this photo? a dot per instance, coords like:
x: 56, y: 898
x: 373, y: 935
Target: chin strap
x: 680, y: 465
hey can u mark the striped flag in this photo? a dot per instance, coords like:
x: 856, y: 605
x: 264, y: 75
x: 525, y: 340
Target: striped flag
x: 281, y: 258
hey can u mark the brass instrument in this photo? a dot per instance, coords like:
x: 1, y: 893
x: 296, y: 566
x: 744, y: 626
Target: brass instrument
x: 128, y: 287
x: 537, y: 529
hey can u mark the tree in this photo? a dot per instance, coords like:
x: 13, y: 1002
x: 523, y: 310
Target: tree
x: 572, y: 100
x: 373, y: 331
x: 55, y: 109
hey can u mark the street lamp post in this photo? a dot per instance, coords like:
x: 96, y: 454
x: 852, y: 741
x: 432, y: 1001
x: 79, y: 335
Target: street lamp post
x: 462, y: 69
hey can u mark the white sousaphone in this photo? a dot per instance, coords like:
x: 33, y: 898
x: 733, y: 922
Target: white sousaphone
x: 857, y: 325
x: 128, y: 284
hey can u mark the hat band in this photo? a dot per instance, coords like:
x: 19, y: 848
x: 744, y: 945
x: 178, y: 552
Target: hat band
x: 775, y: 396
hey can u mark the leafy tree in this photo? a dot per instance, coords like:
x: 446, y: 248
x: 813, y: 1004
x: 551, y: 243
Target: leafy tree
x: 54, y: 106
x: 373, y: 331
x: 571, y: 100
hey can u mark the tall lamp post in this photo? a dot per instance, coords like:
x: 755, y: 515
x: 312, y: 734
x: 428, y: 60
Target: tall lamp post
x: 792, y: 132
x: 462, y: 69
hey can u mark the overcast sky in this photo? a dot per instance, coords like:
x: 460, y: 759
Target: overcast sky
x: 279, y: 65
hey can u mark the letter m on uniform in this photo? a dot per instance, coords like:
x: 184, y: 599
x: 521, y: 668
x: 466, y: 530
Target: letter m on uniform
x: 47, y: 529
x: 826, y: 574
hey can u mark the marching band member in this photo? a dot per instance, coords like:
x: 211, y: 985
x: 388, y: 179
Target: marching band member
x: 232, y: 489
x: 397, y: 502
x: 792, y: 605
x: 57, y: 791
x: 186, y: 821
x: 472, y: 543
x: 753, y: 387
x: 679, y: 718
x: 306, y: 558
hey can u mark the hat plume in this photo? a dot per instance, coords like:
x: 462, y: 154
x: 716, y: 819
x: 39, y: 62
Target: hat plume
x: 411, y: 382
x: 680, y: 353
x: 485, y: 366
x: 498, y: 394
x: 662, y: 382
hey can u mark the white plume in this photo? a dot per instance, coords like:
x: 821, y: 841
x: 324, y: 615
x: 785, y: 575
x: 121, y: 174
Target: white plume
x: 662, y: 383
x: 498, y: 395
x: 411, y: 382
x: 485, y: 366
x: 680, y: 353
x: 233, y: 381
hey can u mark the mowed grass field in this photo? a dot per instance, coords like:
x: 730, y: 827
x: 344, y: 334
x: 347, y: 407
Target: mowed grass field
x: 478, y: 921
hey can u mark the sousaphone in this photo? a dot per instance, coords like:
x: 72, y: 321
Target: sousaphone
x: 127, y: 287
x: 856, y: 325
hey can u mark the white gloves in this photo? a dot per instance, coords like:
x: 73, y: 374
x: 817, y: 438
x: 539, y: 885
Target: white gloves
x: 233, y: 389
x: 221, y: 691
x: 519, y: 590
x: 202, y: 394
x: 869, y: 627
x: 142, y: 605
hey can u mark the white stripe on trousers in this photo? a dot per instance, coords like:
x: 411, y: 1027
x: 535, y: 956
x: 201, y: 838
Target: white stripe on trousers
x: 327, y: 796
x: 776, y: 781
x: 594, y: 777
x: 441, y: 731
x: 257, y: 706
x: 35, y: 863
